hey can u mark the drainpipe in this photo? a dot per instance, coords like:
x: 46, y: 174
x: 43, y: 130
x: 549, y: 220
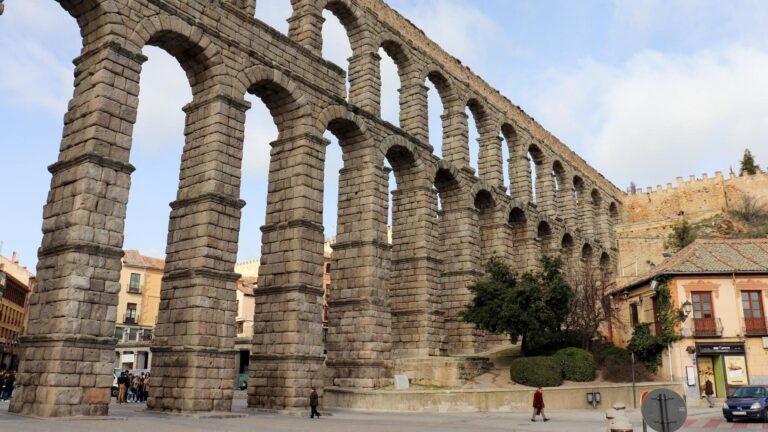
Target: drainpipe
x: 669, y: 354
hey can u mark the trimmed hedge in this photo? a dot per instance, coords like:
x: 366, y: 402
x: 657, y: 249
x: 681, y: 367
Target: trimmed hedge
x: 536, y: 371
x: 577, y: 364
x: 612, y: 352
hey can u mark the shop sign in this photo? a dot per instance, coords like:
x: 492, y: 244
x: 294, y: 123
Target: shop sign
x: 714, y: 349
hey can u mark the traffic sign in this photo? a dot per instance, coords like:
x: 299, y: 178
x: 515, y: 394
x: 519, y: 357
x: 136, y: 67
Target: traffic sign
x: 664, y: 410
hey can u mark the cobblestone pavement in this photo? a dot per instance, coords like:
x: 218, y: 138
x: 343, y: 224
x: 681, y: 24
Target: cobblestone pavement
x: 133, y: 417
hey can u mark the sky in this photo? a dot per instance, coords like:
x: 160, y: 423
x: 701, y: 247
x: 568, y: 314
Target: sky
x: 644, y: 90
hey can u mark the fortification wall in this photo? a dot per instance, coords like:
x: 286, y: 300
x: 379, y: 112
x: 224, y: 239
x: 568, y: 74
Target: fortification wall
x: 650, y: 214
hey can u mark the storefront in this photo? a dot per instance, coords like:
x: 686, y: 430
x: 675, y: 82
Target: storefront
x: 725, y: 364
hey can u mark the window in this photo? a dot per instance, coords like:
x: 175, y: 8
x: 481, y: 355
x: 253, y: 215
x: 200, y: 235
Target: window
x: 752, y: 304
x: 328, y: 268
x: 704, y: 315
x: 702, y: 306
x: 634, y: 315
x: 134, y: 285
x: 130, y: 313
x: 118, y: 333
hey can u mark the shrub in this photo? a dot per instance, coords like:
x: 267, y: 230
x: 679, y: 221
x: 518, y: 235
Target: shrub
x: 577, y: 364
x: 619, y: 370
x: 612, y: 352
x: 536, y: 371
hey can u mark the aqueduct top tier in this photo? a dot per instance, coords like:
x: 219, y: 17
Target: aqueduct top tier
x: 390, y: 303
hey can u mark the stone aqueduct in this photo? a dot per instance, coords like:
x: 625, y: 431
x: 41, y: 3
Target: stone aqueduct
x: 388, y: 302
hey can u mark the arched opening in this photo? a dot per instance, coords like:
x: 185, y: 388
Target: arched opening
x: 613, y: 211
x: 537, y: 172
x: 560, y: 182
x: 578, y: 190
x: 393, y: 61
x: 336, y: 46
x: 472, y: 136
x: 567, y: 247
x: 605, y: 263
x: 437, y: 94
x: 597, y: 215
x: 587, y: 254
x: 509, y: 152
x: 544, y: 234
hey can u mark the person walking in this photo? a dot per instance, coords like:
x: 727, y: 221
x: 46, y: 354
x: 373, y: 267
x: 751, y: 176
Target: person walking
x: 313, y: 402
x: 10, y: 381
x: 122, y: 387
x: 538, y: 405
x: 709, y: 391
x: 146, y: 387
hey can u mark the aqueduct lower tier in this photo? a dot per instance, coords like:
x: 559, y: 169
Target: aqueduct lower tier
x: 389, y: 302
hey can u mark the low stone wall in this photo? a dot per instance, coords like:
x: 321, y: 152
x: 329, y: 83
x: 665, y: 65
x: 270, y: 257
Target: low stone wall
x: 513, y: 399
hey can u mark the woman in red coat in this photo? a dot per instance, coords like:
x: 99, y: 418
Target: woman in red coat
x: 538, y: 405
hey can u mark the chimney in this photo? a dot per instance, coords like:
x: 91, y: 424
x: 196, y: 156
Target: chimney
x: 13, y: 258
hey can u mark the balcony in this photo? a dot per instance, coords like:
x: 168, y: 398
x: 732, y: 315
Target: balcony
x: 712, y: 327
x: 130, y: 319
x: 755, y: 327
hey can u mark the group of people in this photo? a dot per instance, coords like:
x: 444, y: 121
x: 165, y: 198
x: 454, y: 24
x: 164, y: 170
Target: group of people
x: 7, y: 382
x: 132, y: 388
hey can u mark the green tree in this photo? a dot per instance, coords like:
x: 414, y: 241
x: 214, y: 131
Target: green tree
x: 531, y: 308
x: 681, y: 236
x: 748, y: 165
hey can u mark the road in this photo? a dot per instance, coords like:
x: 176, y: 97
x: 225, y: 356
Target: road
x: 133, y: 417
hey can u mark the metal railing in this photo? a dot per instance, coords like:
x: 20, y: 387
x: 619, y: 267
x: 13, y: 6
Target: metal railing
x: 755, y: 327
x: 707, y: 327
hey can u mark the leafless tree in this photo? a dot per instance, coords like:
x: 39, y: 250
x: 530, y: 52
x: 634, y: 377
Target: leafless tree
x: 592, y: 304
x: 751, y: 209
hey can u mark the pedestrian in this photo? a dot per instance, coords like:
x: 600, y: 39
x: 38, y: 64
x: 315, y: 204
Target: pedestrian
x: 538, y: 405
x: 135, y: 387
x: 122, y: 387
x: 10, y: 380
x: 146, y: 386
x: 313, y: 401
x: 140, y: 387
x: 709, y: 391
x: 3, y: 377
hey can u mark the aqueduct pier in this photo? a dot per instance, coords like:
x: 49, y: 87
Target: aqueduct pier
x: 390, y: 302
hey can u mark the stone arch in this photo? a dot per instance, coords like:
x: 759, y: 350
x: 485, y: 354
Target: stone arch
x: 280, y: 94
x: 451, y: 138
x: 196, y: 53
x: 546, y: 237
x: 613, y: 211
x: 605, y: 262
x: 340, y: 115
x: 567, y: 245
x: 587, y: 253
x: 353, y: 20
x: 562, y: 193
x: 482, y: 186
x: 518, y: 220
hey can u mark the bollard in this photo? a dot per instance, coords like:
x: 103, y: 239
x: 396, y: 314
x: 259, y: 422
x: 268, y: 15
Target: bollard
x: 618, y: 422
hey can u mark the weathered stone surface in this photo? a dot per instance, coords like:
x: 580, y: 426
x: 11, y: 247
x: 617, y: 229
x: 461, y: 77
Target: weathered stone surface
x: 388, y: 301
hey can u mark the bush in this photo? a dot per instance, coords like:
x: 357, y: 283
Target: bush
x: 536, y: 371
x: 612, y: 352
x: 619, y: 370
x: 577, y: 364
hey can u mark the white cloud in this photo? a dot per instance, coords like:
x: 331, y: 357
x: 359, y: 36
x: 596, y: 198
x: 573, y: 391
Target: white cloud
x: 659, y: 115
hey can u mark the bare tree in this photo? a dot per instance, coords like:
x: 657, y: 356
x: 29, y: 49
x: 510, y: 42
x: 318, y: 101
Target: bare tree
x: 751, y: 209
x: 592, y: 303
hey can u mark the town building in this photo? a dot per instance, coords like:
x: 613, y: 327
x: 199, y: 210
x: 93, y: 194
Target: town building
x: 720, y: 288
x: 137, y: 309
x: 16, y: 284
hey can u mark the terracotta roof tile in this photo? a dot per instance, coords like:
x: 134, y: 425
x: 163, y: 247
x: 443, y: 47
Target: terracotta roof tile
x: 713, y: 257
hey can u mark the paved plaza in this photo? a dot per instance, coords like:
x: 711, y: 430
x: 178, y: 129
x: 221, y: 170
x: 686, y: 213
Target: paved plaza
x: 134, y: 417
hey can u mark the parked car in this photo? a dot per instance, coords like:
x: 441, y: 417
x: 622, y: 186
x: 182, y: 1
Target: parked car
x: 749, y: 402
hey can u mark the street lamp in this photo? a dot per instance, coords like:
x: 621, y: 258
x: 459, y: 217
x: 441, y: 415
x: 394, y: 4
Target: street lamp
x: 685, y: 310
x: 624, y: 295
